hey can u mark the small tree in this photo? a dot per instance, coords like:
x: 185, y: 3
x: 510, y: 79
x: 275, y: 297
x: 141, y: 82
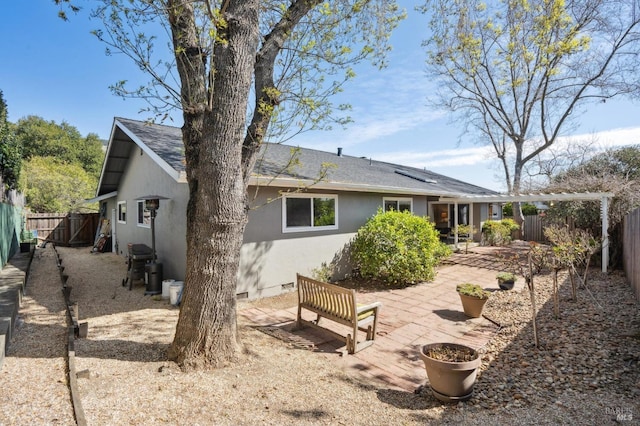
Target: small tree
x: 571, y: 249
x: 528, y: 265
x: 466, y: 232
x: 398, y: 248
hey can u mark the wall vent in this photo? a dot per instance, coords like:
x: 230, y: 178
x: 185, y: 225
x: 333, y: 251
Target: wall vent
x: 288, y: 286
x: 242, y: 296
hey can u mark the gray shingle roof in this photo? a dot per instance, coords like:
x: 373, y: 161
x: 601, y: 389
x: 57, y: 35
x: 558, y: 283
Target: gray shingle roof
x: 166, y: 142
x: 356, y: 170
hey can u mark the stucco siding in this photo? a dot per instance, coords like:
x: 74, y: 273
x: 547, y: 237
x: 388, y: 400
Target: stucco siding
x: 269, y: 268
x: 141, y: 177
x: 271, y: 258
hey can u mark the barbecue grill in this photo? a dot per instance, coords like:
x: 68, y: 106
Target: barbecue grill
x: 138, y: 257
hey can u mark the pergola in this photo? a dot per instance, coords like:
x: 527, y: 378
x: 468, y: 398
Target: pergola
x: 603, y: 197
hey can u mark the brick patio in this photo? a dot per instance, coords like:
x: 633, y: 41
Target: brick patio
x: 411, y: 317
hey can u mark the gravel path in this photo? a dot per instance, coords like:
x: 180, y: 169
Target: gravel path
x: 587, y: 370
x: 33, y: 380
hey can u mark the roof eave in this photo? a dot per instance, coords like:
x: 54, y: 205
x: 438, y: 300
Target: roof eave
x: 106, y: 155
x: 505, y: 198
x: 152, y: 154
x: 106, y: 196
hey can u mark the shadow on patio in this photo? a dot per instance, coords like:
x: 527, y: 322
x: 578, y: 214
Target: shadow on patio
x: 410, y: 317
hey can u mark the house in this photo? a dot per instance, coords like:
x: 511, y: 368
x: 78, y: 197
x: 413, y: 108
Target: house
x: 283, y: 235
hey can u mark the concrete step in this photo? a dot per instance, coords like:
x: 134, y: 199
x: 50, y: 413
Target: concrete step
x: 13, y: 279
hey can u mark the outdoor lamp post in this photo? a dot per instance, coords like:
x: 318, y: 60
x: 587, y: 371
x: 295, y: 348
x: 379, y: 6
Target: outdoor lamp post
x: 152, y: 203
x: 154, y: 270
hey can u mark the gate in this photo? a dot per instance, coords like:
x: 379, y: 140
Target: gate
x: 64, y: 229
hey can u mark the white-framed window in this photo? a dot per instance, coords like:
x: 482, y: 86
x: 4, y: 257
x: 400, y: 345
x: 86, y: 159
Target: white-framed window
x: 309, y: 212
x: 398, y: 204
x: 122, y: 212
x: 144, y: 215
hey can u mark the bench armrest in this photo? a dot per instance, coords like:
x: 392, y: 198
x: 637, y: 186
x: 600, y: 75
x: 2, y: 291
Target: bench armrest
x: 364, y: 308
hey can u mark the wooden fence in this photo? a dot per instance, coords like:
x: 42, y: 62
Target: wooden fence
x: 631, y: 250
x: 534, y: 228
x: 65, y: 229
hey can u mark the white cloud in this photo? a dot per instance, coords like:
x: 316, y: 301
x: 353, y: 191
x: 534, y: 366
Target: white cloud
x: 609, y: 138
x: 593, y: 143
x: 483, y: 155
x: 442, y: 158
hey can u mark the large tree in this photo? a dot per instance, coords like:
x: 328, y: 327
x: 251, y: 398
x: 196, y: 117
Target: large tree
x: 41, y: 138
x: 616, y: 171
x: 10, y: 153
x: 51, y: 185
x: 244, y: 68
x: 518, y: 70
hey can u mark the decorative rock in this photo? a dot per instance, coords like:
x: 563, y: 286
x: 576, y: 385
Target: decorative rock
x: 577, y: 355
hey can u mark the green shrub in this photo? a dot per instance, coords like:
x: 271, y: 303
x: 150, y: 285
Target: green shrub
x: 527, y: 209
x: 506, y: 276
x: 472, y: 290
x: 498, y: 232
x: 398, y: 248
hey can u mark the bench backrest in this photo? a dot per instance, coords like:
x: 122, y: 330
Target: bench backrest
x: 328, y: 298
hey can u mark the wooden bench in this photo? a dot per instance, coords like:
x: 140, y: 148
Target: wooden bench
x: 337, y: 304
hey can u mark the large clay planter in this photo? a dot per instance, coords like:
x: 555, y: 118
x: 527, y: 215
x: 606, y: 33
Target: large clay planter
x: 472, y: 305
x: 450, y: 381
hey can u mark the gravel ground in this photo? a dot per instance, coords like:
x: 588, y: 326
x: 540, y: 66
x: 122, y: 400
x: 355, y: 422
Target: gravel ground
x: 585, y: 372
x: 33, y: 380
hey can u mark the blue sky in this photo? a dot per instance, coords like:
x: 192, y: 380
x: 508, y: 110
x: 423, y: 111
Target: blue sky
x: 59, y: 71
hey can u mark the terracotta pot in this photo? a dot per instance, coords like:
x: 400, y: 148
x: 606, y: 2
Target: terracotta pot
x: 472, y: 305
x: 451, y: 381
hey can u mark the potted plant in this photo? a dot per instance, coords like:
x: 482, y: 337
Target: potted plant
x: 473, y: 298
x: 506, y: 280
x: 26, y: 240
x: 451, y: 369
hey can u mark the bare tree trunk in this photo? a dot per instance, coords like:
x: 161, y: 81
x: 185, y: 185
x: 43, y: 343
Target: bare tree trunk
x: 518, y: 217
x: 206, y: 333
x: 556, y: 299
x: 586, y: 270
x: 534, y: 310
x: 574, y: 290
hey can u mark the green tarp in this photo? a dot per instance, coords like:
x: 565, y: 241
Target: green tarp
x: 10, y: 227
